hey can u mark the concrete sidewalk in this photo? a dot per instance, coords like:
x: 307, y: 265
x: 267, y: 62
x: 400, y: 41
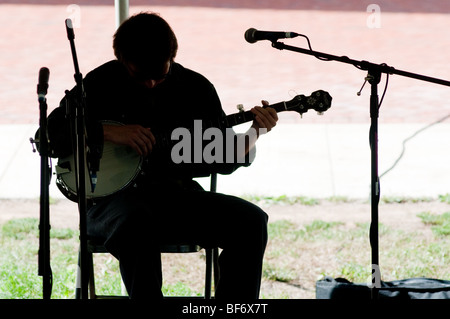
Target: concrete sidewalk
x: 316, y: 160
x: 314, y: 156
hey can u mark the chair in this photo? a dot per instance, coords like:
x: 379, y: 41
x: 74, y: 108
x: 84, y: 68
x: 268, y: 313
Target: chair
x: 95, y: 245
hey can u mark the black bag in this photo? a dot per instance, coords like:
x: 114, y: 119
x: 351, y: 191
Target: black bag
x: 412, y: 288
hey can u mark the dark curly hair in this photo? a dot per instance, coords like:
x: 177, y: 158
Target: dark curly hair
x: 147, y: 41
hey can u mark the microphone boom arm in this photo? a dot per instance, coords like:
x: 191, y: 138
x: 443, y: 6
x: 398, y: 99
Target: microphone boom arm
x: 363, y: 65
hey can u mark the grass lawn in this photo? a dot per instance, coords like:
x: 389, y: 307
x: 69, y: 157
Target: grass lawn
x: 299, y: 253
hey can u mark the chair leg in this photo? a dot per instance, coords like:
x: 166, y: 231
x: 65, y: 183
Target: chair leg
x: 212, y: 268
x: 215, y: 263
x: 78, y: 280
x: 91, y: 284
x: 208, y: 273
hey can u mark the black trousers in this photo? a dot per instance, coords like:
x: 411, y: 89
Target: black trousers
x: 135, y: 222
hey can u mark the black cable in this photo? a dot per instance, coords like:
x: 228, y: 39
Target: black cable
x: 409, y: 138
x: 385, y: 88
x: 310, y: 48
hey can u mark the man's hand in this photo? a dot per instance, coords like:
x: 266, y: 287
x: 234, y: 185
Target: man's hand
x: 265, y: 118
x: 137, y: 137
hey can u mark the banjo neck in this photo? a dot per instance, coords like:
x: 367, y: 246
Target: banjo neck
x: 319, y: 101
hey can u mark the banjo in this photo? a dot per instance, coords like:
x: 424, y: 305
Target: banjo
x: 120, y: 165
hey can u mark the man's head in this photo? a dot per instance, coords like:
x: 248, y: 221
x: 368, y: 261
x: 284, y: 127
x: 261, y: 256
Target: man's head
x: 146, y: 45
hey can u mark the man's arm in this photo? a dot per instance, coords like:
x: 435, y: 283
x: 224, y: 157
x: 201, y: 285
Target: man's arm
x: 139, y: 138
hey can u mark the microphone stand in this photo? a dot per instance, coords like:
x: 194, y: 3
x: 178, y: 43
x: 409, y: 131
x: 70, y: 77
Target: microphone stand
x: 373, y: 76
x: 44, y: 268
x: 80, y: 159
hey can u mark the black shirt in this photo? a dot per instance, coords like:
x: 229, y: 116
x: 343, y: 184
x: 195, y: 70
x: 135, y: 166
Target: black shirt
x: 113, y: 95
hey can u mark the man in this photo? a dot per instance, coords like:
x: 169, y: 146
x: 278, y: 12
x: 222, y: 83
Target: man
x: 148, y: 92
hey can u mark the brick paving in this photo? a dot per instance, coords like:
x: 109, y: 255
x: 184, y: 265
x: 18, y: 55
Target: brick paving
x: 413, y: 36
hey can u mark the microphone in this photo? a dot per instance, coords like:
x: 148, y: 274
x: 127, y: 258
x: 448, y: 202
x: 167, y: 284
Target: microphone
x: 252, y: 35
x: 44, y: 74
x: 69, y: 29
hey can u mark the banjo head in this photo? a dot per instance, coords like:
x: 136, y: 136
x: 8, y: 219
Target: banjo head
x: 119, y: 167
